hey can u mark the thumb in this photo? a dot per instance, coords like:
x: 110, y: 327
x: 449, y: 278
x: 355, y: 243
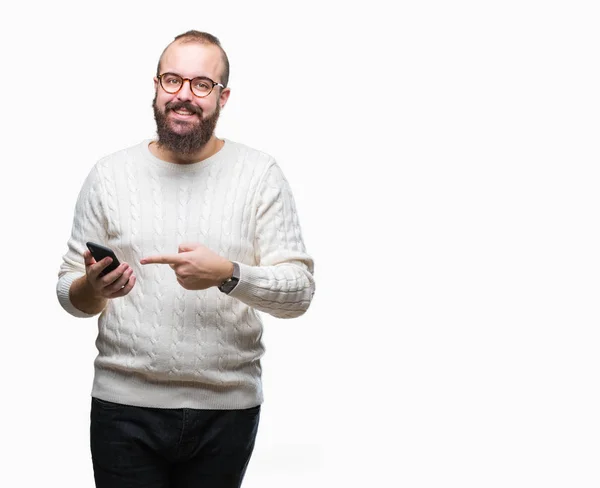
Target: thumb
x: 188, y: 246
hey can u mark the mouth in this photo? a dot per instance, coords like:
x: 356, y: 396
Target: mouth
x: 183, y: 112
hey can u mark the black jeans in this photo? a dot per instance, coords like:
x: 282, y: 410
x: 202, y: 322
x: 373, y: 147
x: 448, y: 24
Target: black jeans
x: 170, y: 448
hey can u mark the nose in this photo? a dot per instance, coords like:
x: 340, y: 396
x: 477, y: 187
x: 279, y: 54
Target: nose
x: 185, y: 92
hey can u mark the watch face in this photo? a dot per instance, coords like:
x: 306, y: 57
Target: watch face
x: 227, y: 287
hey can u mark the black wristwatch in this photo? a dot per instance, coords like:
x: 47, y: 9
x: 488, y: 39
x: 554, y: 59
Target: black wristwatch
x: 230, y: 283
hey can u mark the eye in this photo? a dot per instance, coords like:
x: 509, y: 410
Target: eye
x: 201, y: 85
x: 172, y: 80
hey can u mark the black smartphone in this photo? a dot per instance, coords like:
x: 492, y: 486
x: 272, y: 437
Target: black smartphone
x: 100, y: 252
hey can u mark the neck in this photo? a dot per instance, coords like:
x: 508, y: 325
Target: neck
x: 212, y: 147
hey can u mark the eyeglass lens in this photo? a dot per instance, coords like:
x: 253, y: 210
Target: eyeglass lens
x: 171, y: 83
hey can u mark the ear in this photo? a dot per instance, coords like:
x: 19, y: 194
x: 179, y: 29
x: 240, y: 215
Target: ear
x: 155, y: 83
x: 224, y: 96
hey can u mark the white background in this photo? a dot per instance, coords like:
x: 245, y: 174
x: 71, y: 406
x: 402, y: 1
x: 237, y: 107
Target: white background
x: 444, y: 160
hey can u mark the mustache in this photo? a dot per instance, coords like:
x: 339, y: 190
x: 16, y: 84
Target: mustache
x: 185, y: 105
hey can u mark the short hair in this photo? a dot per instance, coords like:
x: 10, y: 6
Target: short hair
x: 200, y: 38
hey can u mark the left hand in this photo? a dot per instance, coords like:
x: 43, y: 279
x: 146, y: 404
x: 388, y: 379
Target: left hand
x: 196, y: 266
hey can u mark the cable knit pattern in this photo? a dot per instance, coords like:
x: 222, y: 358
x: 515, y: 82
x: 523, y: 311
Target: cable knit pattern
x: 162, y: 345
x: 134, y: 315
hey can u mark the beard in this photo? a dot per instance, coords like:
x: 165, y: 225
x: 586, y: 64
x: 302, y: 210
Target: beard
x: 194, y: 138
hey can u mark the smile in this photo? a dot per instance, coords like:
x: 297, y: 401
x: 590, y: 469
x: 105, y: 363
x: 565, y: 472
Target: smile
x: 183, y: 112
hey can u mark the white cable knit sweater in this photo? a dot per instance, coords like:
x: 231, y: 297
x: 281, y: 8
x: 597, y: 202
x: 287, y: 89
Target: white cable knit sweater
x: 165, y: 346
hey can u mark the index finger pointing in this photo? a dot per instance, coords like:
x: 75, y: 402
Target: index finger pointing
x: 161, y: 259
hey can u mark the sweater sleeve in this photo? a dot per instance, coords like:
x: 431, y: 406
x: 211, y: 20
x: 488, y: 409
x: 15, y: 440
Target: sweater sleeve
x: 89, y: 224
x: 282, y: 283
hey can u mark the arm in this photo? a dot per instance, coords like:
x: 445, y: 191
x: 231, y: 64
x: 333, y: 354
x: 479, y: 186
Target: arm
x: 282, y: 283
x: 80, y: 289
x: 89, y: 217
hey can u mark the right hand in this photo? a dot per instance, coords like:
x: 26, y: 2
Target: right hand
x: 115, y: 284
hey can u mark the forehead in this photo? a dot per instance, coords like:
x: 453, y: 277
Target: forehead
x: 193, y: 59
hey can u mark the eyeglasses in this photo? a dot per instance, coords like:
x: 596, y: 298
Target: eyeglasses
x: 201, y: 86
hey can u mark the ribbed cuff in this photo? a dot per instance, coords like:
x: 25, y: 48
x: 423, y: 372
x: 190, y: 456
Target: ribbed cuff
x: 247, y: 284
x: 62, y: 291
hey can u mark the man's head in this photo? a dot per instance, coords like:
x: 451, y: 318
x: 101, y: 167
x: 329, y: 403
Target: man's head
x: 185, y: 116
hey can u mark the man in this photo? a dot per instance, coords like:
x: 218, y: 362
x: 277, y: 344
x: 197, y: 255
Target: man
x: 207, y: 234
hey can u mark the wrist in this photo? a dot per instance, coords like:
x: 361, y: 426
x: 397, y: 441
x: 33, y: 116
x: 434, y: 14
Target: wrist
x: 83, y: 296
x: 86, y: 286
x: 231, y: 278
x: 229, y: 268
